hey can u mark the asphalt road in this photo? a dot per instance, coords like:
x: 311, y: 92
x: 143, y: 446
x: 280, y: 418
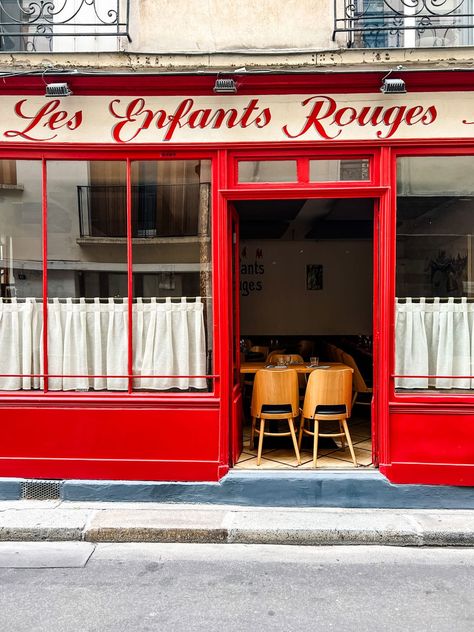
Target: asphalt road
x: 64, y: 587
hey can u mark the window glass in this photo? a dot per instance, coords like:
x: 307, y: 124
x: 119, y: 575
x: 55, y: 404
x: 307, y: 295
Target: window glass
x: 87, y: 276
x: 21, y: 285
x: 435, y: 274
x: 338, y: 170
x: 172, y: 311
x: 267, y: 171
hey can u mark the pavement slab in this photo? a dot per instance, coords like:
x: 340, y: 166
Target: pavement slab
x: 157, y: 525
x: 42, y: 524
x: 45, y: 554
x: 283, y: 527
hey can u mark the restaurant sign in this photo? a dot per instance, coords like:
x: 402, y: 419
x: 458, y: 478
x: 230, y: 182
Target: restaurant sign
x: 130, y: 119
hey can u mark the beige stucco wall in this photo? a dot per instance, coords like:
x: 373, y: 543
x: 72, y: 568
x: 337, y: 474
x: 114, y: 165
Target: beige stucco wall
x: 179, y: 35
x: 183, y: 26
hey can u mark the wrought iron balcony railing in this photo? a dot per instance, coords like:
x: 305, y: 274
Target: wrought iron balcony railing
x: 157, y: 210
x: 404, y: 23
x: 54, y: 25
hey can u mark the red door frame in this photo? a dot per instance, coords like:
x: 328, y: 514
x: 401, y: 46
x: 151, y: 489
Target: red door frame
x: 353, y: 190
x: 234, y: 323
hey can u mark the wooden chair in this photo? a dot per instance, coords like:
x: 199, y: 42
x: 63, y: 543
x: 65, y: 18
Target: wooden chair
x: 247, y: 382
x: 275, y: 352
x: 359, y: 386
x: 291, y: 358
x: 328, y: 398
x: 275, y: 396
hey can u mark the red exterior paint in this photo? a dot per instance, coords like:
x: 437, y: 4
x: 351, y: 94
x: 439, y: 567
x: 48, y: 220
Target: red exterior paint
x: 247, y: 83
x: 418, y: 438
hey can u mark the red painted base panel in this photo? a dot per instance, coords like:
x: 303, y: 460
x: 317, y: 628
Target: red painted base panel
x: 430, y: 474
x: 111, y: 470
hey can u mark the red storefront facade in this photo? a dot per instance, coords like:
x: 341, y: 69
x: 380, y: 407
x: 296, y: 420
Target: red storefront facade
x: 418, y: 437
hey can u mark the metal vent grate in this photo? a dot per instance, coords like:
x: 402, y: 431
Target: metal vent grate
x: 40, y: 490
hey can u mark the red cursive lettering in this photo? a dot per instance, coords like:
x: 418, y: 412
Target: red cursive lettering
x: 325, y: 115
x: 136, y: 118
x: 48, y: 116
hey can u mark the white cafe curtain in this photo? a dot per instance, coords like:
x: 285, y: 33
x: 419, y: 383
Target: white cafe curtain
x: 434, y: 337
x: 90, y: 338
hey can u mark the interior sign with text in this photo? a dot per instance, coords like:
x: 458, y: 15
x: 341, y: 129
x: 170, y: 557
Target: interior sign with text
x: 252, y: 269
x: 123, y: 120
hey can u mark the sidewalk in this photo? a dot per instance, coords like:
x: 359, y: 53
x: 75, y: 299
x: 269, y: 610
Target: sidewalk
x: 26, y: 520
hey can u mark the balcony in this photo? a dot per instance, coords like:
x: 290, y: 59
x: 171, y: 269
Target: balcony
x: 39, y: 26
x: 403, y: 23
x: 160, y: 214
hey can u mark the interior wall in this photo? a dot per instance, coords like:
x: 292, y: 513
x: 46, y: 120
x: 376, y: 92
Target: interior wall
x: 274, y: 294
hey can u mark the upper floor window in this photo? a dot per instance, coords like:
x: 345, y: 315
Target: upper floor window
x: 62, y: 25
x: 405, y: 23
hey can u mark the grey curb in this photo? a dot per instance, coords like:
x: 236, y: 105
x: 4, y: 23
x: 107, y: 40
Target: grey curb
x: 195, y: 524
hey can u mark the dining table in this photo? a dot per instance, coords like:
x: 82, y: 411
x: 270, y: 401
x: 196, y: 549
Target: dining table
x: 304, y: 367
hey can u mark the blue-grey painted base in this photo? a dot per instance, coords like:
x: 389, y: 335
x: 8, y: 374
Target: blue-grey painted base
x: 367, y: 489
x: 10, y: 488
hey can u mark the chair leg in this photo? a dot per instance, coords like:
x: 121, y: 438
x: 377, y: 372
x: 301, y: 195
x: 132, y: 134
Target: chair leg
x: 354, y: 398
x: 349, y: 441
x: 260, y: 441
x: 315, y: 443
x: 300, y: 433
x: 295, y: 443
x: 252, y: 433
x: 343, y: 439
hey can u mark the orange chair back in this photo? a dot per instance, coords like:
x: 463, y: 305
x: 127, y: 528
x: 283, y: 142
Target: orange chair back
x: 275, y: 387
x: 328, y: 388
x: 359, y: 383
x: 275, y: 352
x: 291, y: 358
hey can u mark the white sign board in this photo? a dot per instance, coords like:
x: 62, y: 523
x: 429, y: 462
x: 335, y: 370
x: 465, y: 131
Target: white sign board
x: 217, y: 119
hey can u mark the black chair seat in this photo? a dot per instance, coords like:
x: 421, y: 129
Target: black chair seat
x: 276, y: 409
x: 331, y: 410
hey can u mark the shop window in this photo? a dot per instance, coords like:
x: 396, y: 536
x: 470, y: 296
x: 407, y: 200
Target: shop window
x: 435, y: 274
x: 21, y: 289
x: 172, y: 274
x: 267, y: 171
x: 339, y: 170
x: 89, y: 318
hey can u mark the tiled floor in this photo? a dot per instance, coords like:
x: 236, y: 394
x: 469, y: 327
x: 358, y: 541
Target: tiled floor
x: 274, y: 458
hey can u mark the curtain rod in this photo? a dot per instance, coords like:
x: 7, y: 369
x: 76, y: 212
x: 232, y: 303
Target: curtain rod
x: 432, y: 299
x: 162, y: 299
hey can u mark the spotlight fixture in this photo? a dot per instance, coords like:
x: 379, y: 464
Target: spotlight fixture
x: 57, y: 90
x: 393, y: 86
x: 225, y: 86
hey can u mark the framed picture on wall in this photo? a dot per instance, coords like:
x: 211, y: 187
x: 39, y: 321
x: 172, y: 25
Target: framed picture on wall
x: 314, y: 276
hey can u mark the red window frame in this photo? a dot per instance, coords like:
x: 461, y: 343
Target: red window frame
x: 429, y: 149
x: 302, y: 158
x: 115, y: 154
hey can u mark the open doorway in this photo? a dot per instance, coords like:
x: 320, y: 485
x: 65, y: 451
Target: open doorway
x: 306, y: 291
